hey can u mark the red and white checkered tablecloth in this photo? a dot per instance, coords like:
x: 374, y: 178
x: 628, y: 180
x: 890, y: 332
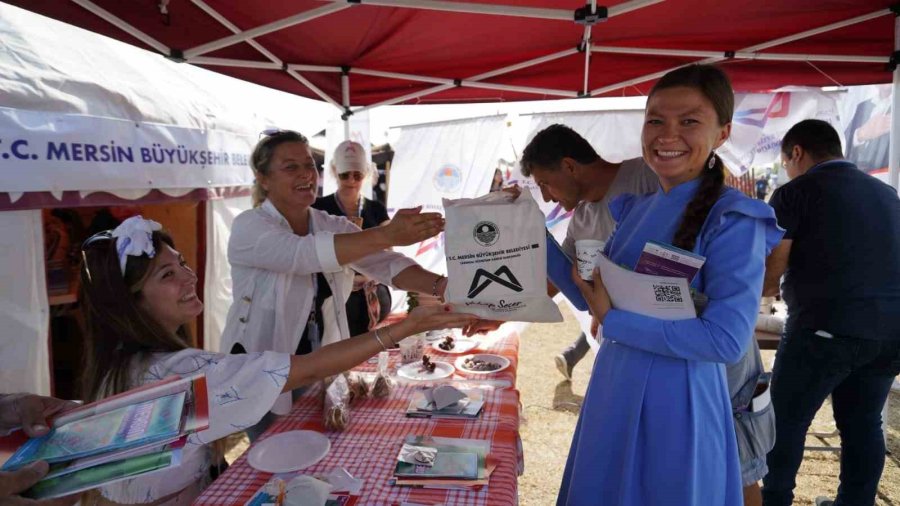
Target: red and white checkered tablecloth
x: 368, y: 447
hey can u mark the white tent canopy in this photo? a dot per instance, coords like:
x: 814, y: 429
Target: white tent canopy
x: 73, y: 121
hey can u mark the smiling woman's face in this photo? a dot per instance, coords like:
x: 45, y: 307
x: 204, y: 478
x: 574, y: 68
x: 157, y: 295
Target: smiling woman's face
x: 680, y: 131
x: 169, y: 293
x: 292, y: 181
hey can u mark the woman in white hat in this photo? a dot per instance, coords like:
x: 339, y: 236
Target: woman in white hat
x: 370, y: 301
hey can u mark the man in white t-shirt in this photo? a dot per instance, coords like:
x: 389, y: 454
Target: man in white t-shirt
x: 569, y: 171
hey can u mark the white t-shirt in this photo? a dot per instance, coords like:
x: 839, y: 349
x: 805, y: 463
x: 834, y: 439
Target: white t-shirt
x: 592, y: 220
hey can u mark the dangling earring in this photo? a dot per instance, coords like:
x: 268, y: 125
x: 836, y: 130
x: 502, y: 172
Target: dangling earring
x: 712, y: 161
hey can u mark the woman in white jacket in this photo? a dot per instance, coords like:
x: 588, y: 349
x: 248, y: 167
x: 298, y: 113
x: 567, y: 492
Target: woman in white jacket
x: 292, y: 265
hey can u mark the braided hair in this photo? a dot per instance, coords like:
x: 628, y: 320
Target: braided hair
x: 716, y: 87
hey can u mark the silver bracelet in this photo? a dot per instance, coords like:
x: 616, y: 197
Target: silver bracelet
x: 378, y: 338
x: 393, y: 342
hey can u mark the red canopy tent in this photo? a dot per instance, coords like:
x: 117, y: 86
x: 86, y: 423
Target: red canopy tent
x: 358, y: 54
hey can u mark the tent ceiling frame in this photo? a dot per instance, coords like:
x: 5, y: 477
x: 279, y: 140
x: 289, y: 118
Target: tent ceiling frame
x: 234, y: 29
x: 499, y: 9
x: 268, y: 28
x: 751, y: 49
x: 124, y: 26
x: 193, y: 55
x: 739, y: 55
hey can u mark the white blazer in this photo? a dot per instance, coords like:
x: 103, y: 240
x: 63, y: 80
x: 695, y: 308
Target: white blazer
x: 273, y: 273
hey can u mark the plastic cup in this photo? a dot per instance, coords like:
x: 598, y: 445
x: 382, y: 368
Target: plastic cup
x: 412, y: 348
x: 586, y: 253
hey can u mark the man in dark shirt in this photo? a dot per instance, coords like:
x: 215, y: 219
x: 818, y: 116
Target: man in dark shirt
x: 840, y: 258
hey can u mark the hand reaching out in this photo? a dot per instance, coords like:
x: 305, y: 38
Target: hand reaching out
x: 410, y: 226
x: 424, y: 318
x: 481, y: 327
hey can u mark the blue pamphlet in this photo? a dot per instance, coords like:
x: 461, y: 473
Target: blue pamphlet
x: 559, y: 271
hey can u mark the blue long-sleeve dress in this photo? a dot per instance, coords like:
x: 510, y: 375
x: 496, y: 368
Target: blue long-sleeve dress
x: 656, y: 425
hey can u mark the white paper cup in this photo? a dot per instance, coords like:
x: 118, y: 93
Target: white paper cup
x: 586, y: 253
x: 412, y: 348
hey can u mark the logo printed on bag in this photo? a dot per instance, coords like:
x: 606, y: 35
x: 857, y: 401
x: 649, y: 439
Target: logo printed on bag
x: 479, y: 284
x: 486, y: 233
x: 447, y: 178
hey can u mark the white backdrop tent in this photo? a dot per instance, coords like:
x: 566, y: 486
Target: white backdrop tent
x: 453, y: 159
x: 128, y: 127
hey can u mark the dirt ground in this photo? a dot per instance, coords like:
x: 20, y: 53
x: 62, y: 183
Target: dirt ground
x: 550, y: 410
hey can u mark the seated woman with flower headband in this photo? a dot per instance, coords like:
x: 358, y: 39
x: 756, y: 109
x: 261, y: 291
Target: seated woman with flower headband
x: 138, y: 297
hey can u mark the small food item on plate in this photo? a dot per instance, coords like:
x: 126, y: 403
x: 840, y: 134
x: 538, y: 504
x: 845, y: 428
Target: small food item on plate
x: 447, y: 344
x: 427, y: 364
x: 477, y: 364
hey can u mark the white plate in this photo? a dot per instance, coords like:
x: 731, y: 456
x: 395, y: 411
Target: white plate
x: 288, y: 451
x: 414, y: 371
x: 461, y: 345
x: 503, y: 362
x: 439, y: 335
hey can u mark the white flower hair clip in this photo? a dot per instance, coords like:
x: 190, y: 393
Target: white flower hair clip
x: 135, y: 237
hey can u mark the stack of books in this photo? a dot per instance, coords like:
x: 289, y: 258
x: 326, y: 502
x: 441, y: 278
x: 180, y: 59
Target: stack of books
x: 123, y: 436
x: 444, y: 463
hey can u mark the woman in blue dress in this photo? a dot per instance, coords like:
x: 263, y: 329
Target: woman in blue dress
x: 656, y: 425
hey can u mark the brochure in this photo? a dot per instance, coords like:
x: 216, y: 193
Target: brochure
x: 136, y: 432
x: 661, y: 259
x: 103, y: 474
x: 665, y: 297
x: 139, y: 424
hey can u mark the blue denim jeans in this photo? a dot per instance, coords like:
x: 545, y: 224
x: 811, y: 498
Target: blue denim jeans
x: 858, y: 374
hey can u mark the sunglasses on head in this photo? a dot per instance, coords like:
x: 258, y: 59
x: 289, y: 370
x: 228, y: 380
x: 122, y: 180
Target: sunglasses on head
x: 356, y: 175
x: 105, y: 235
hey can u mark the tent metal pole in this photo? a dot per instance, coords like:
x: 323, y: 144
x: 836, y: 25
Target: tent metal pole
x: 524, y: 64
x: 473, y: 8
x: 624, y: 7
x: 817, y: 31
x: 315, y: 89
x: 229, y: 62
x: 264, y: 29
x: 521, y: 89
x: 587, y: 58
x: 894, y: 150
x: 486, y: 75
x: 314, y: 68
x: 122, y: 25
x: 405, y: 77
x: 758, y: 47
x: 345, y: 101
x: 234, y: 29
x: 410, y: 96
x: 740, y: 55
x: 501, y: 10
